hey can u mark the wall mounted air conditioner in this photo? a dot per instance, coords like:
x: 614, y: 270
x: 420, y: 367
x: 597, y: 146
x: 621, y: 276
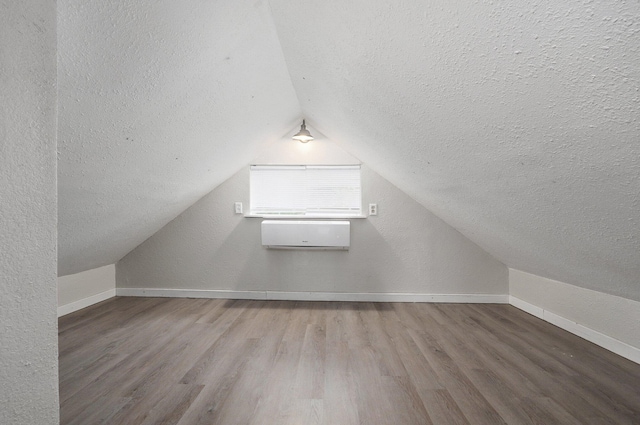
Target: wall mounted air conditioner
x: 289, y: 234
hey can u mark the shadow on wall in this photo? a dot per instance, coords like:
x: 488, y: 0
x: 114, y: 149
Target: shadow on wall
x: 404, y: 249
x: 242, y: 263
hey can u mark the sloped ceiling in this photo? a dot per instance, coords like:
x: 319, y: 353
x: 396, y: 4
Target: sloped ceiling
x: 517, y: 123
x: 159, y: 102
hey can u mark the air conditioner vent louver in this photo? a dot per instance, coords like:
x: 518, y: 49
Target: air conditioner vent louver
x: 289, y: 234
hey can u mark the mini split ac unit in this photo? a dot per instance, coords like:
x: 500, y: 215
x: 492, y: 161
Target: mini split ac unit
x: 289, y: 234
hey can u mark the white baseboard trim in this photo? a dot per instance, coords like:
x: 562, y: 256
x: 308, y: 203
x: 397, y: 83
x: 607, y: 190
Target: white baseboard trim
x: 314, y: 296
x: 616, y: 346
x: 525, y: 306
x: 85, y: 302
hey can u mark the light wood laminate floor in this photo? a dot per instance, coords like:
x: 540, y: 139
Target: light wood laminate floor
x: 187, y: 361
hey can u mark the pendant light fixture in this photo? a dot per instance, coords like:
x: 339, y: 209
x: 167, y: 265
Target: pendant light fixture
x: 303, y: 135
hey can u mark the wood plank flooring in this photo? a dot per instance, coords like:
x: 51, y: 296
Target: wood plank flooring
x: 187, y: 362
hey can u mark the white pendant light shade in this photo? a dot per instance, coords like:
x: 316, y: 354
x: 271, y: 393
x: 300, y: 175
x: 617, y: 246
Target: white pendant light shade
x: 303, y: 135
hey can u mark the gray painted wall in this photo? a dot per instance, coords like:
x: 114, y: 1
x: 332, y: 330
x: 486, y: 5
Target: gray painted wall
x: 28, y: 211
x: 610, y: 315
x: 404, y: 249
x: 80, y: 290
x: 76, y: 287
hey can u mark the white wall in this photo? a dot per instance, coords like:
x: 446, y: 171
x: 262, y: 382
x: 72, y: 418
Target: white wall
x: 28, y: 213
x: 80, y: 290
x: 610, y: 321
x: 405, y: 249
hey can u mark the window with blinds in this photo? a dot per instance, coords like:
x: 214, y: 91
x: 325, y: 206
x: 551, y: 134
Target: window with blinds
x: 305, y: 190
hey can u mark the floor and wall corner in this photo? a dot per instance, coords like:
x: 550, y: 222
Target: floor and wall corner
x: 583, y: 312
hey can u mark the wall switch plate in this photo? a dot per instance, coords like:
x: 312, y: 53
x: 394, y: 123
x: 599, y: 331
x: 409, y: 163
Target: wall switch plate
x: 373, y: 209
x: 238, y: 207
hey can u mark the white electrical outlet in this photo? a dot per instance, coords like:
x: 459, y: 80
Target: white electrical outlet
x: 238, y: 207
x: 373, y: 209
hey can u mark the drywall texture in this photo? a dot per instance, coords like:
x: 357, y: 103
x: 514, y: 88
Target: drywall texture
x: 404, y: 249
x: 515, y: 122
x: 28, y: 324
x: 86, y: 284
x: 160, y: 101
x: 611, y: 315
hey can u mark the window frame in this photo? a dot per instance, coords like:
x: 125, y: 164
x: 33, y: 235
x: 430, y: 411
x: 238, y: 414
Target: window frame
x: 314, y: 191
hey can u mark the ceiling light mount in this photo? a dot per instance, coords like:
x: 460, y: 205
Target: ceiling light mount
x: 303, y: 135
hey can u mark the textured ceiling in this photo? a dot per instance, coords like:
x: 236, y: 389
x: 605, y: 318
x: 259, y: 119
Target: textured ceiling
x: 516, y: 122
x: 159, y: 102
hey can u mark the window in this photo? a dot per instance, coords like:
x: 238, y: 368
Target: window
x: 305, y: 190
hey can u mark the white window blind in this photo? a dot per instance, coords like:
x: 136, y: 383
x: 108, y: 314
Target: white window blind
x: 305, y: 190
